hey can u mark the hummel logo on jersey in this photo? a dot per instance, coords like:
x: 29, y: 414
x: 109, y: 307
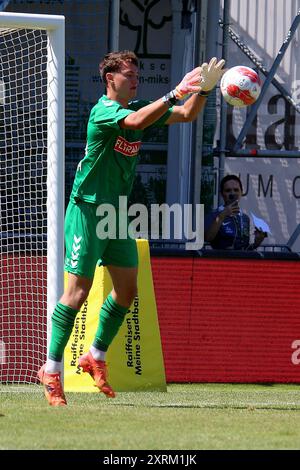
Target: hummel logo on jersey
x: 75, y: 251
x: 130, y: 149
x: 77, y: 239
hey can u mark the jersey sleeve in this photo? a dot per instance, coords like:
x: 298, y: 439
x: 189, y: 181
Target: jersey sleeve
x: 109, y: 113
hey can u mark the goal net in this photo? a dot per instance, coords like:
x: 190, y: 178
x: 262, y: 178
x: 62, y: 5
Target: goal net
x: 31, y: 188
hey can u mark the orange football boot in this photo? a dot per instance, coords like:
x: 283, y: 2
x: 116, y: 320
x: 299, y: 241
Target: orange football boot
x: 98, y: 371
x: 52, y: 387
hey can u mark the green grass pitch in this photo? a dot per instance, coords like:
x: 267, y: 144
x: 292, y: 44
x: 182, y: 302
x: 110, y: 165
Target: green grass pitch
x: 188, y: 416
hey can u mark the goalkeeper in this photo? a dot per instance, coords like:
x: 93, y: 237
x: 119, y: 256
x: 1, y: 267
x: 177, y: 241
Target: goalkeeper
x: 107, y: 171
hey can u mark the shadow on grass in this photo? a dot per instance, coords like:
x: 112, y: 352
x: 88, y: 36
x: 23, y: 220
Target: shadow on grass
x: 247, y: 407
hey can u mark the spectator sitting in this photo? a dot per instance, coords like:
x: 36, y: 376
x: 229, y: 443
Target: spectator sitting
x: 228, y: 228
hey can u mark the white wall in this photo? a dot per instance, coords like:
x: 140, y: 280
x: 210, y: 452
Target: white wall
x: 263, y: 26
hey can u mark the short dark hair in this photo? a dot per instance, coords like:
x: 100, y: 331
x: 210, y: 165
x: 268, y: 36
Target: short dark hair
x: 228, y: 178
x: 112, y: 62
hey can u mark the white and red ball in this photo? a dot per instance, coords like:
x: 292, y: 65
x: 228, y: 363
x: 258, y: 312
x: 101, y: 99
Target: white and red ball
x: 240, y: 86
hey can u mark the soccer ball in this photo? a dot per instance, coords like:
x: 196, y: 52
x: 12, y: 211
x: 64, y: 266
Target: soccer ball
x: 240, y: 86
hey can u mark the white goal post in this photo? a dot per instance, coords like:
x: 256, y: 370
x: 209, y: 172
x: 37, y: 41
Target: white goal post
x: 32, y: 149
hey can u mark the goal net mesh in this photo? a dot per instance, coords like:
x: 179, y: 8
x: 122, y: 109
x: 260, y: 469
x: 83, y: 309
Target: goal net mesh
x: 23, y: 211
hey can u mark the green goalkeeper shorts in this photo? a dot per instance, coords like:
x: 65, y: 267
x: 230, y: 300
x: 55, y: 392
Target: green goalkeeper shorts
x: 85, y: 243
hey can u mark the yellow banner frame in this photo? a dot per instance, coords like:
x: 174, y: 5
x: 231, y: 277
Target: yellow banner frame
x: 135, y: 358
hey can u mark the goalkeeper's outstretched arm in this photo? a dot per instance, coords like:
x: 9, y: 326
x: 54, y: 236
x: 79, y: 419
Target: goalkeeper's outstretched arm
x: 209, y: 75
x: 199, y: 82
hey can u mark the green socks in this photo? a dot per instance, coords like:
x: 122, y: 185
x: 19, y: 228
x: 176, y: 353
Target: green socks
x: 111, y: 318
x: 62, y: 324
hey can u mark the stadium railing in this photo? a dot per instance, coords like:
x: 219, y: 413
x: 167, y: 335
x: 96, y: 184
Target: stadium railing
x: 177, y: 248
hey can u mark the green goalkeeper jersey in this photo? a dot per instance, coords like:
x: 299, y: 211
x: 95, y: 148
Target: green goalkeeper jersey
x: 107, y: 170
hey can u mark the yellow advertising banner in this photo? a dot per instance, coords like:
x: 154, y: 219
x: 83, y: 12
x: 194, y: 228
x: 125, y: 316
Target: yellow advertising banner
x: 134, y: 359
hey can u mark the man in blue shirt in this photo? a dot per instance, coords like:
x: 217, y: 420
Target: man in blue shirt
x: 227, y: 227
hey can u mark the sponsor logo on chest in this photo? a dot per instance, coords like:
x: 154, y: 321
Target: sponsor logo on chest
x: 130, y: 149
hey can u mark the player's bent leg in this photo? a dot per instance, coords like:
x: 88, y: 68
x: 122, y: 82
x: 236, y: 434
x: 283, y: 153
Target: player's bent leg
x: 65, y: 313
x: 116, y: 305
x: 124, y: 284
x: 62, y: 325
x: 111, y: 318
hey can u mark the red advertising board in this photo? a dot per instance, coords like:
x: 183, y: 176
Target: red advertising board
x: 23, y: 319
x: 221, y: 320
x: 229, y: 320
